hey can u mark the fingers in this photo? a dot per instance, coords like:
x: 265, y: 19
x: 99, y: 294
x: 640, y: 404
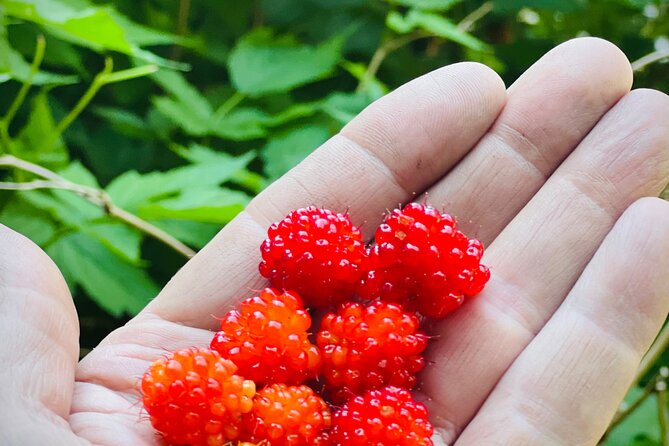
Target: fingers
x: 565, y: 386
x: 549, y: 110
x: 539, y: 256
x: 40, y: 349
x: 400, y: 145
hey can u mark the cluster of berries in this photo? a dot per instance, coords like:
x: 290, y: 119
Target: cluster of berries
x: 350, y: 383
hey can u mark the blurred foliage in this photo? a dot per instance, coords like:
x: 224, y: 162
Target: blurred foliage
x: 179, y: 112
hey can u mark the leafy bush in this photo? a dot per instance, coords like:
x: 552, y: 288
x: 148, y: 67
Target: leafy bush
x: 133, y: 131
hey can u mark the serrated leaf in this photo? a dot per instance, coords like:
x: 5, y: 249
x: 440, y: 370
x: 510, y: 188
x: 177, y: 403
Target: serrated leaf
x: 133, y: 190
x: 261, y: 63
x: 196, y: 153
x: 251, y: 123
x: 115, y: 285
x: 428, y: 5
x: 119, y: 238
x: 30, y: 143
x: 175, y: 111
x: 183, y: 92
x: 434, y: 24
x: 286, y: 150
x: 124, y: 121
x: 193, y: 233
x: 207, y: 205
x: 35, y: 224
x: 343, y: 107
x: 84, y: 24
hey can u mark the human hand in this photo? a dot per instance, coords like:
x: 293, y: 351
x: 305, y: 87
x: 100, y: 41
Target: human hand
x: 552, y: 172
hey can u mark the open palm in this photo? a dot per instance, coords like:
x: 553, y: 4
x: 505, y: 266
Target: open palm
x: 550, y: 174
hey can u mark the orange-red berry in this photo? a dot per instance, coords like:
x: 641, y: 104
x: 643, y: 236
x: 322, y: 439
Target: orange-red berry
x: 194, y: 398
x: 369, y: 347
x: 423, y: 261
x: 267, y: 338
x: 389, y: 416
x: 288, y: 416
x: 316, y: 253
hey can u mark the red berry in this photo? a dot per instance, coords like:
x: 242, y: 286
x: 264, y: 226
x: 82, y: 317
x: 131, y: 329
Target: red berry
x: 268, y: 340
x: 389, y: 416
x: 421, y: 260
x: 287, y: 416
x: 194, y: 397
x: 316, y: 253
x: 366, y: 348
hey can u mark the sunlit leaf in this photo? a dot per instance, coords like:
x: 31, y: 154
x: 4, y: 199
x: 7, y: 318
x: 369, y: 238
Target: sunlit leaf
x: 262, y: 63
x: 287, y: 149
x: 115, y: 285
x: 430, y: 5
x: 206, y: 205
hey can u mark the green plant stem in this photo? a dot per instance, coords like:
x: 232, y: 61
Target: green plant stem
x: 182, y: 27
x: 654, y: 352
x: 96, y: 196
x: 649, y: 59
x: 6, y: 121
x: 383, y: 51
x: 662, y: 411
x: 225, y: 108
x: 83, y: 102
x: 468, y: 22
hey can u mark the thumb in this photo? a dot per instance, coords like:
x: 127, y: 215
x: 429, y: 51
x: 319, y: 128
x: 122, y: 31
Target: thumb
x: 39, y: 345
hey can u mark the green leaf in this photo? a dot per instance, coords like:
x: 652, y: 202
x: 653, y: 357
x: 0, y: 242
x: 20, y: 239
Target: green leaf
x: 183, y: 92
x: 82, y: 23
x: 343, y: 107
x: 39, y: 128
x: 181, y: 115
x: 251, y: 123
x: 119, y: 238
x: 66, y: 206
x: 434, y: 24
x: 509, y: 6
x: 261, y: 63
x: 206, y: 205
x: 193, y: 233
x: 114, y: 284
x: 289, y: 148
x: 124, y: 121
x: 133, y: 190
x: 35, y: 224
x: 13, y: 66
x: 428, y: 5
x: 197, y: 153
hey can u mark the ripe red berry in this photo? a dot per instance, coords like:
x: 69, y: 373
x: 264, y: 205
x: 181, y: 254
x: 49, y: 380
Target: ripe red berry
x: 268, y: 340
x: 389, y: 416
x: 287, y: 416
x: 367, y: 348
x: 194, y: 397
x: 316, y: 253
x: 421, y: 260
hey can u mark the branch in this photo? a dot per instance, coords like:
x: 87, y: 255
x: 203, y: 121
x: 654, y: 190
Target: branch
x: 648, y: 59
x: 96, y: 196
x: 654, y: 352
x: 468, y: 22
x: 383, y: 51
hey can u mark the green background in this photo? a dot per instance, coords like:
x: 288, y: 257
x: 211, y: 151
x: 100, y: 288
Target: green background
x: 179, y: 112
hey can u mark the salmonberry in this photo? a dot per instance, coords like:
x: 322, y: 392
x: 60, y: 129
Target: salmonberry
x: 389, y: 416
x: 268, y: 339
x: 287, y: 416
x: 194, y: 397
x: 421, y: 260
x: 370, y: 347
x: 316, y: 253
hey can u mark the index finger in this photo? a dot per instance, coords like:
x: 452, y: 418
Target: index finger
x: 395, y: 148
